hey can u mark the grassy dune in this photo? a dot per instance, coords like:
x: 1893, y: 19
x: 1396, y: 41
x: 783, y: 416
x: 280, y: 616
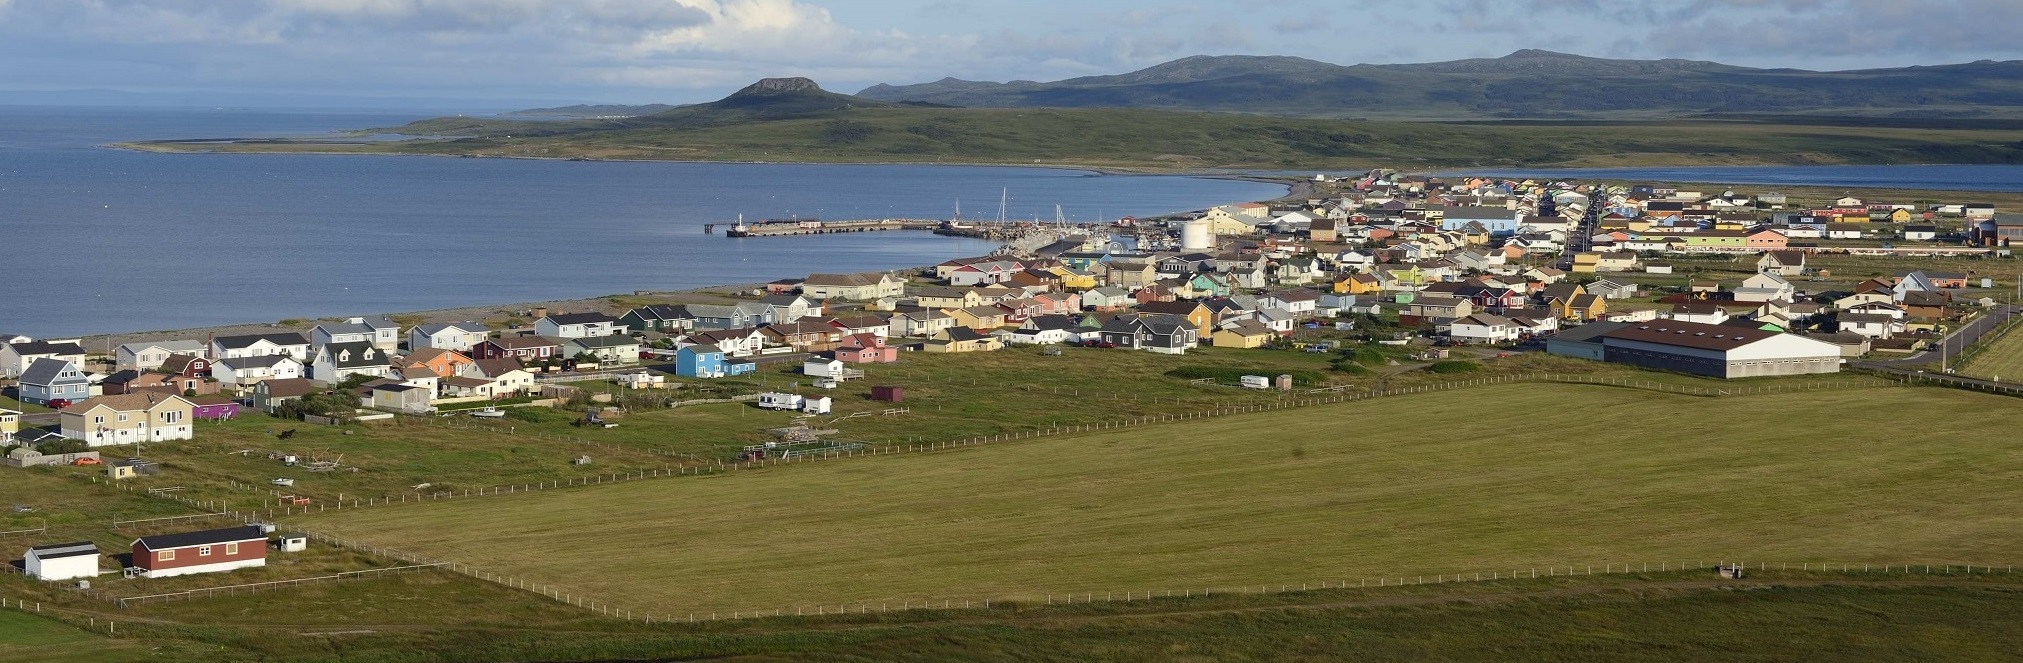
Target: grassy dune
x: 1493, y: 478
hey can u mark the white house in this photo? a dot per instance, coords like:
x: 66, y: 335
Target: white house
x: 62, y: 561
x: 836, y: 369
x: 149, y: 356
x: 260, y: 345
x: 337, y: 361
x: 458, y: 336
x: 380, y: 332
x: 244, y: 372
x: 17, y: 356
x: 578, y: 325
x: 1764, y: 287
x: 1483, y: 328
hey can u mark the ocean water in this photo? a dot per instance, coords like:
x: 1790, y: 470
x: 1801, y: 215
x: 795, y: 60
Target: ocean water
x: 103, y: 240
x: 2003, y: 178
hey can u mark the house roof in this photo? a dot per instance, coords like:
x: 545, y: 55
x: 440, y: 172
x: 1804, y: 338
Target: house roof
x: 202, y: 538
x: 613, y: 341
x: 493, y: 368
x: 395, y: 387
x: 703, y: 349
x: 849, y: 280
x: 1246, y: 328
x: 123, y: 402
x: 363, y: 326
x: 177, y: 363
x: 46, y: 370
x: 461, y: 381
x: 1177, y: 307
x: 1690, y: 335
x: 287, y: 387
x: 661, y: 312
x: 248, y: 340
x: 1050, y: 323
x: 716, y: 335
x: 61, y: 550
x: 180, y: 347
x: 798, y: 328
x: 46, y: 348
x: 262, y: 361
x: 964, y: 334
x: 355, y: 354
x: 579, y: 318
x: 466, y: 327
x: 524, y: 342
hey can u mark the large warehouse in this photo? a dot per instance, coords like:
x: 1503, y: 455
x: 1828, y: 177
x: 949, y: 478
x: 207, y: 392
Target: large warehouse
x: 1701, y: 349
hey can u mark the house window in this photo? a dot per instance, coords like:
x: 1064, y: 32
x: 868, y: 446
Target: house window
x: 122, y: 417
x: 166, y: 555
x: 97, y: 421
x: 231, y: 549
x: 203, y: 551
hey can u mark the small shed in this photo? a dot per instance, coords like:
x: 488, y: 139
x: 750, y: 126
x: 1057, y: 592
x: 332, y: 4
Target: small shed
x: 888, y: 394
x: 62, y: 561
x: 292, y: 542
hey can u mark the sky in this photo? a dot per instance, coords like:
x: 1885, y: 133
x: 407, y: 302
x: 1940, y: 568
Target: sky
x: 507, y: 52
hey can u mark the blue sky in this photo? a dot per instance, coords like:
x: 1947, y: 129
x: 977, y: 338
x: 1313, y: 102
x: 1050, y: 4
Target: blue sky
x: 634, y: 51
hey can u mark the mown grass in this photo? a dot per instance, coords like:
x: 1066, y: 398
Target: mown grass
x: 2001, y: 356
x: 1500, y: 477
x: 1771, y: 615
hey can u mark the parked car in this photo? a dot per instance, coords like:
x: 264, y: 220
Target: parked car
x: 58, y: 403
x: 1098, y: 344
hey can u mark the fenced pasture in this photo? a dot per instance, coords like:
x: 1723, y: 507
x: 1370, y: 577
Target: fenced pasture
x: 1510, y: 476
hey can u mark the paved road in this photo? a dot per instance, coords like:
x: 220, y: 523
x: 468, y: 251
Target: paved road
x: 1955, y: 342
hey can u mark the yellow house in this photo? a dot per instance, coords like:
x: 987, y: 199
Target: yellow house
x: 1900, y: 215
x: 1241, y: 334
x: 947, y: 297
x: 1227, y: 220
x: 10, y: 423
x: 1586, y: 262
x: 963, y: 339
x: 978, y: 317
x: 1358, y: 284
x: 1074, y: 279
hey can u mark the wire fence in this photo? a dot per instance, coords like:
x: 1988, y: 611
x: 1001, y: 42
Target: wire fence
x: 269, y: 586
x: 692, y: 465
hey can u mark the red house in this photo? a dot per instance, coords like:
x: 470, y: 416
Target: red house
x: 517, y: 347
x: 208, y: 551
x: 867, y: 349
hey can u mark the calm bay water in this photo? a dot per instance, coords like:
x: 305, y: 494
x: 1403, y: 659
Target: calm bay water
x: 102, y: 240
x: 2005, y: 178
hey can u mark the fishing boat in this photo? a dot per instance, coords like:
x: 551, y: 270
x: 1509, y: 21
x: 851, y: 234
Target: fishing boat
x: 489, y: 413
x: 284, y: 482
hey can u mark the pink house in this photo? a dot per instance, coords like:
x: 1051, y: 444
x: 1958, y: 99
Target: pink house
x: 867, y: 349
x: 213, y: 407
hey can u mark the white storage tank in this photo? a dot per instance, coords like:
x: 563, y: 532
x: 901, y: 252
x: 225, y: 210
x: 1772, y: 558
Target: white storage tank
x: 1197, y: 235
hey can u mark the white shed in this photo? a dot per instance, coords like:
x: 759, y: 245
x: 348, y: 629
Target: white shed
x: 63, y: 561
x: 817, y: 405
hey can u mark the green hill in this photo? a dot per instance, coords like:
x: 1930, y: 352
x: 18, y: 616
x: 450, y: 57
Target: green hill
x: 1527, y: 83
x: 795, y: 120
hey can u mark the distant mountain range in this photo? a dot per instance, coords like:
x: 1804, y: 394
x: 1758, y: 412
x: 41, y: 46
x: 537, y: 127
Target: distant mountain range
x: 1525, y: 84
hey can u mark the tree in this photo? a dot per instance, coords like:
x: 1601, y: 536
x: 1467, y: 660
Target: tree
x: 354, y: 381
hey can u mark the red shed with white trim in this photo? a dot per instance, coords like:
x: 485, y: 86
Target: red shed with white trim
x: 208, y: 551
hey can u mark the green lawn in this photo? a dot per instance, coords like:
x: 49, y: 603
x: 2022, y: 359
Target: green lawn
x: 27, y: 637
x: 2003, y: 356
x: 1493, y: 478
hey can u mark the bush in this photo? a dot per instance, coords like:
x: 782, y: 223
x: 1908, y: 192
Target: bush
x: 532, y: 415
x: 1233, y: 375
x: 1350, y: 367
x: 1454, y: 367
x: 54, y: 447
x: 1366, y: 355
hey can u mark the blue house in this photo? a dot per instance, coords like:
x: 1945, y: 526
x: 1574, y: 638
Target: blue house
x: 52, y: 379
x: 708, y: 361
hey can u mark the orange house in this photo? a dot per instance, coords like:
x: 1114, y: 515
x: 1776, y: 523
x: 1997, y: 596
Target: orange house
x: 445, y: 363
x: 1767, y: 240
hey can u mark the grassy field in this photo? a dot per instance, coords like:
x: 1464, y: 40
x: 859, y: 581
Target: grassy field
x: 1432, y: 484
x: 1771, y: 615
x: 25, y: 637
x: 1160, y: 140
x: 2001, y: 356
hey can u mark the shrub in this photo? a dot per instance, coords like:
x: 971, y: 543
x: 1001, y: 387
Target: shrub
x: 1454, y: 367
x: 1232, y: 374
x: 527, y: 414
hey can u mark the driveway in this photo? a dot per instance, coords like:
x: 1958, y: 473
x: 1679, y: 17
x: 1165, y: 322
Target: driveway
x: 1955, y: 342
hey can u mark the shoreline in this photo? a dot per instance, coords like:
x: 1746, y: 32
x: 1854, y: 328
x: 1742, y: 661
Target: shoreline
x: 1290, y: 181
